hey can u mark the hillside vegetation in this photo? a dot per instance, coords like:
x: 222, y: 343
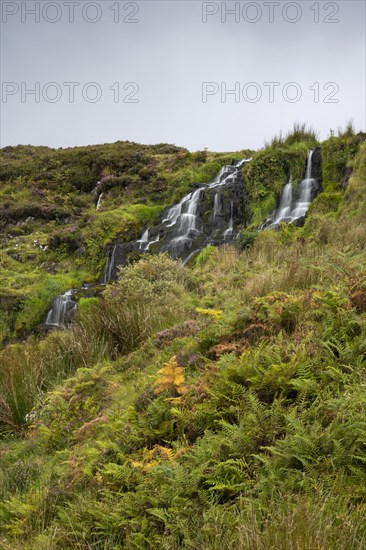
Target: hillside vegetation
x: 51, y: 236
x: 214, y: 406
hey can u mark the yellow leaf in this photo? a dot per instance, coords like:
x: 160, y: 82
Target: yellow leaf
x: 179, y: 380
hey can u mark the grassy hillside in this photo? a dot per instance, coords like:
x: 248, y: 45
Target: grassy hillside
x: 51, y: 236
x: 216, y: 406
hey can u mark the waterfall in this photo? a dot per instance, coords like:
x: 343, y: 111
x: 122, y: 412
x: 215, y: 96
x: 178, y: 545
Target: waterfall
x: 242, y: 162
x: 188, y: 220
x: 306, y: 187
x: 290, y: 209
x: 191, y: 224
x: 303, y: 204
x: 284, y: 209
x: 62, y: 305
x: 217, y: 206
x: 152, y: 242
x: 144, y: 241
x: 185, y: 229
x: 230, y: 231
x: 224, y: 176
x: 109, y: 266
x: 175, y: 211
x: 309, y: 165
x: 193, y: 202
x: 99, y: 204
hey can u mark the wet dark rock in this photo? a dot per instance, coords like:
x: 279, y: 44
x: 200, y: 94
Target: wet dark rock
x: 118, y: 254
x: 347, y: 175
x: 316, y: 165
x: 299, y: 222
x: 17, y: 257
x: 62, y: 312
x: 50, y: 267
x: 209, y: 215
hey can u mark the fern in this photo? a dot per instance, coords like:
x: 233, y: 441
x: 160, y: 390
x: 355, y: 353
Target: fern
x: 171, y: 377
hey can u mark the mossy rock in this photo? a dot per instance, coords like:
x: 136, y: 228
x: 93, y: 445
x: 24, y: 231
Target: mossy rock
x: 326, y: 203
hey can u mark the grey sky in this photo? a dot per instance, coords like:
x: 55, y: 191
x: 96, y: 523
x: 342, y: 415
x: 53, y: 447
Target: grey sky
x: 169, y: 53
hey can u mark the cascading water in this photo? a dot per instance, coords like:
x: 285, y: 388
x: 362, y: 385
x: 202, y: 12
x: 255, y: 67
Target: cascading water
x: 144, y: 241
x: 205, y: 216
x: 230, y: 230
x: 306, y: 186
x: 217, y: 206
x: 174, y: 213
x: 303, y: 204
x: 284, y: 210
x: 99, y: 203
x: 110, y: 265
x: 190, y: 225
x: 187, y: 218
x: 63, y: 306
x: 292, y: 209
x: 242, y: 162
x: 152, y: 242
x: 225, y: 175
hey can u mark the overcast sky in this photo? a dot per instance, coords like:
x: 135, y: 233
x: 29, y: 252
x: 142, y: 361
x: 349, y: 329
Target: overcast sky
x: 177, y: 61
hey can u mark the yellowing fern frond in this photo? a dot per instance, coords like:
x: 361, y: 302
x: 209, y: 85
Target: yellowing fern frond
x: 153, y: 457
x: 171, y: 376
x: 216, y: 313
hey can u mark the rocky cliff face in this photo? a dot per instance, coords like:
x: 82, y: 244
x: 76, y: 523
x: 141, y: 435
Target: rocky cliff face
x: 316, y: 167
x: 210, y: 214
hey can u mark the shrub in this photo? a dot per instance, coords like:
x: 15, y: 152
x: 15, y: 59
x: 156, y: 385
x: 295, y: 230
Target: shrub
x: 301, y: 133
x: 146, y: 298
x: 203, y: 256
x: 20, y: 378
x: 337, y: 153
x: 246, y: 238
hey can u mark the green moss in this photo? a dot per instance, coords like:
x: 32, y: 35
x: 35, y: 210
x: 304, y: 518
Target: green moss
x: 205, y: 254
x: 86, y: 305
x: 325, y: 203
x: 266, y: 175
x: 337, y: 153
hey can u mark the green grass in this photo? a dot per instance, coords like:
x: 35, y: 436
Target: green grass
x: 300, y: 133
